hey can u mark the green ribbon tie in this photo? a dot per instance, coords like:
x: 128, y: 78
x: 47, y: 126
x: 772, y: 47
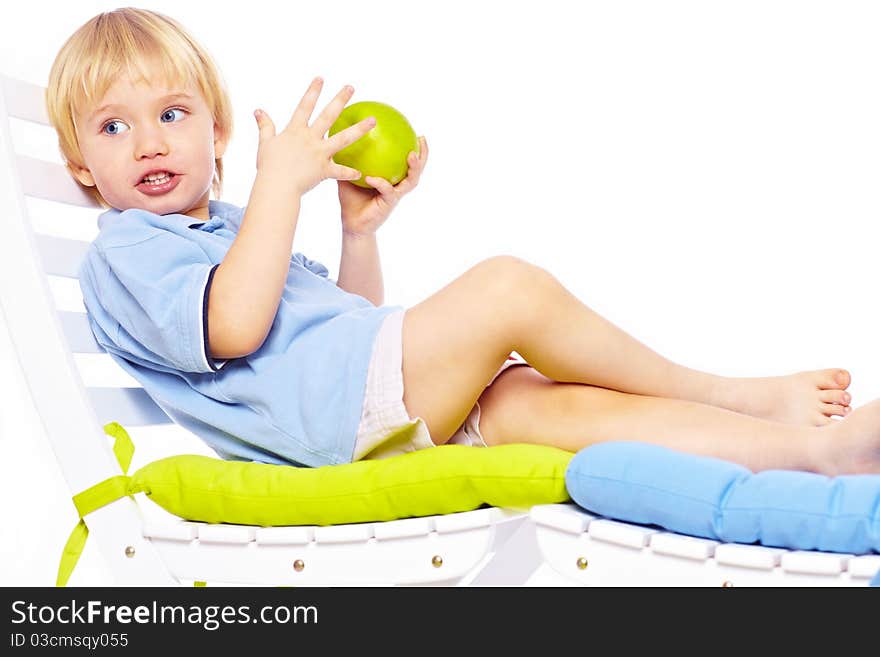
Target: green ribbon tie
x: 96, y: 497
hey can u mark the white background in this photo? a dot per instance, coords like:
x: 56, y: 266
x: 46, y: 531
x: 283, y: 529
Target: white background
x: 705, y: 174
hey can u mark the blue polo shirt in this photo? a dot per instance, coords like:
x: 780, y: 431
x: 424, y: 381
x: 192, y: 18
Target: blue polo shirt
x: 296, y: 400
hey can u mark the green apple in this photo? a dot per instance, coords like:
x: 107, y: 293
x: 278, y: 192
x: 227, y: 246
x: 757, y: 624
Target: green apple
x: 383, y: 150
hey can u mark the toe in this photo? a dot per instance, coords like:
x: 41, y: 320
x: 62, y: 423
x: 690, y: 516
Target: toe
x: 835, y: 409
x: 835, y: 397
x: 822, y: 420
x: 835, y: 379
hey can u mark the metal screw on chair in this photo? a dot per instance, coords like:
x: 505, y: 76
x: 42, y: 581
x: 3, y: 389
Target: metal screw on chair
x: 437, y: 561
x: 582, y: 563
x: 298, y: 565
x: 727, y: 584
x: 129, y: 551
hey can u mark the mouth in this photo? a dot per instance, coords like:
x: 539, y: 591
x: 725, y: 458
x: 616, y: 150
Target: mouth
x: 158, y: 182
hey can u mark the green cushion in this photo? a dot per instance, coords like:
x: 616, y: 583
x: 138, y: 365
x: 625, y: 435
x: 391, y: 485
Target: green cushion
x: 443, y: 479
x: 435, y: 481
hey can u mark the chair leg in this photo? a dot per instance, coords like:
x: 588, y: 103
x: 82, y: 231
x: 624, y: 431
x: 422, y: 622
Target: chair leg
x: 514, y: 560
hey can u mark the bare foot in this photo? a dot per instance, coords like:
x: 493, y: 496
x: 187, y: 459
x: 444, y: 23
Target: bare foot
x: 806, y: 398
x: 851, y: 446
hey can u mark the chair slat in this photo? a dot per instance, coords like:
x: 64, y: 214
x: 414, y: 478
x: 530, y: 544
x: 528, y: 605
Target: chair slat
x: 52, y: 182
x: 79, y: 334
x: 866, y: 565
x: 235, y: 534
x: 568, y: 518
x: 285, y: 535
x: 61, y: 256
x: 81, y: 450
x: 170, y: 530
x: 353, y: 533
x: 748, y: 556
x: 621, y: 533
x: 456, y: 522
x: 128, y: 406
x: 818, y: 563
x: 24, y: 100
x: 679, y: 545
x: 403, y: 528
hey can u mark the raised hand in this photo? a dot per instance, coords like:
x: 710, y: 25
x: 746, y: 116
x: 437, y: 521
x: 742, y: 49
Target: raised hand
x: 300, y: 154
x: 364, y: 210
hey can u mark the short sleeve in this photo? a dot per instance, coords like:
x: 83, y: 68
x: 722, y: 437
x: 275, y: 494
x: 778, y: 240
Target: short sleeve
x: 312, y: 265
x: 148, y: 300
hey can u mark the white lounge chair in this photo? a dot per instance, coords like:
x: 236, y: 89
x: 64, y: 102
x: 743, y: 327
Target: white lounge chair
x: 141, y: 544
x: 144, y: 546
x: 590, y: 550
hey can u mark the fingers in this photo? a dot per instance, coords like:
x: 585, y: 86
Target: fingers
x: 303, y: 111
x: 340, y: 172
x: 333, y: 110
x: 382, y: 186
x: 423, y: 152
x: 264, y: 125
x: 351, y: 134
x: 416, y: 163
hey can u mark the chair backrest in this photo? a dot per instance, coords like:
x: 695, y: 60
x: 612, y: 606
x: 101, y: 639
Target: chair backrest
x: 45, y: 337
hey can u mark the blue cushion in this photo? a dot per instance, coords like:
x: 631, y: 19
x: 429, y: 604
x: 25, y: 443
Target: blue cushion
x: 703, y: 496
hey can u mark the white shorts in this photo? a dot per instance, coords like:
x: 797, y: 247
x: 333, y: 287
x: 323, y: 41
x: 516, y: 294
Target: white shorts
x: 386, y: 428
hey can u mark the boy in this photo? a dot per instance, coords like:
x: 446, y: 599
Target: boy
x: 266, y: 359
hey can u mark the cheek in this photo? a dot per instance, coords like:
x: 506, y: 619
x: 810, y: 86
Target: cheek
x: 208, y: 158
x: 102, y: 163
x: 109, y: 178
x: 110, y: 173
x: 114, y: 190
x: 209, y: 146
x: 205, y: 137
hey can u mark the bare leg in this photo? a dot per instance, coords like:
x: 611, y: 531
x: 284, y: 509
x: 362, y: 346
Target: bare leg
x: 454, y: 342
x: 597, y: 352
x: 522, y: 405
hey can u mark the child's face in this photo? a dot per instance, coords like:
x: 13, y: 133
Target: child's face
x: 143, y: 131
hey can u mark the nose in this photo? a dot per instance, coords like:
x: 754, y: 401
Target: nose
x: 150, y: 142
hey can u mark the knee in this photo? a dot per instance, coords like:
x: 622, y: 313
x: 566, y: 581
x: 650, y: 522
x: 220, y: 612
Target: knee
x: 510, y: 277
x: 520, y: 407
x: 514, y: 296
x: 516, y: 292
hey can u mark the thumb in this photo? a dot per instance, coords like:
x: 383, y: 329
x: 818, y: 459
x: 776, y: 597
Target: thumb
x: 351, y: 174
x: 265, y: 125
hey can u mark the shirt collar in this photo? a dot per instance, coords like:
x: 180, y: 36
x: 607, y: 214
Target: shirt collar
x: 218, y: 211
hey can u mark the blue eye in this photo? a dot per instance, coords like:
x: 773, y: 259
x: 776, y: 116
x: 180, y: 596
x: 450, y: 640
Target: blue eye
x: 171, y: 111
x: 111, y: 123
x: 168, y: 116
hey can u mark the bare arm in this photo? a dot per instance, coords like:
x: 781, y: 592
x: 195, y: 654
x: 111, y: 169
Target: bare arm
x: 360, y: 270
x: 363, y: 212
x: 247, y: 286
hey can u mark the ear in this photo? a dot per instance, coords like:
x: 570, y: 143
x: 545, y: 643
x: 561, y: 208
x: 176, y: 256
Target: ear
x: 81, y: 174
x: 221, y: 141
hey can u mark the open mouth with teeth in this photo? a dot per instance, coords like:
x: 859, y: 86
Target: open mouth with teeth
x: 158, y: 178
x: 158, y: 183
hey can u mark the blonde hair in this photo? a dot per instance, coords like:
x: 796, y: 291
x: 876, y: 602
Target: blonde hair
x: 136, y: 43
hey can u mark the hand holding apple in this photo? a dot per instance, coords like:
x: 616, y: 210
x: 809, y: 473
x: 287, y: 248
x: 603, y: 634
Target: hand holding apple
x: 299, y: 153
x: 364, y: 210
x: 382, y: 152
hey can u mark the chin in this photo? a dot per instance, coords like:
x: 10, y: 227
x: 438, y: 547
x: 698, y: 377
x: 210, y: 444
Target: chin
x: 164, y: 205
